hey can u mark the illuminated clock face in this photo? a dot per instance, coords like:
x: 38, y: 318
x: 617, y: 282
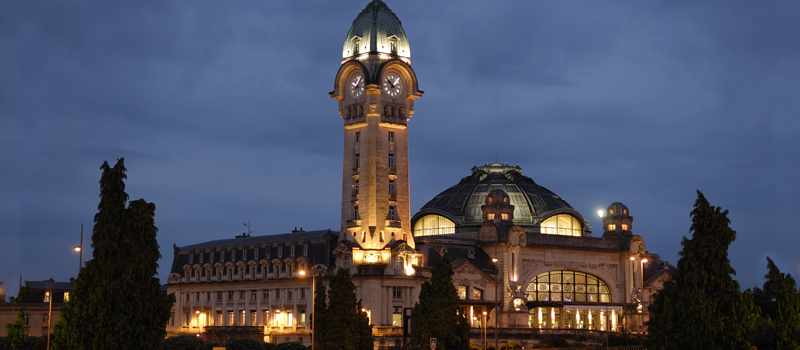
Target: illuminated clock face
x: 357, y: 86
x: 392, y: 85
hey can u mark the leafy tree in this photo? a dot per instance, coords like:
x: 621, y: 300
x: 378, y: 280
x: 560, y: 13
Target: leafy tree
x: 352, y: 329
x: 117, y: 301
x: 16, y: 331
x: 437, y: 315
x: 292, y: 345
x: 701, y: 307
x: 244, y: 344
x: 779, y: 301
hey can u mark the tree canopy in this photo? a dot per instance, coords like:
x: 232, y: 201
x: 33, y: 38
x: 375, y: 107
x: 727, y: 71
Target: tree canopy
x: 117, y: 301
x: 701, y: 306
x: 437, y: 314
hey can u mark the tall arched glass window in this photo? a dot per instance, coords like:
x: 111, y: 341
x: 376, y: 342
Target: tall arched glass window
x: 568, y: 286
x: 430, y: 225
x: 561, y: 224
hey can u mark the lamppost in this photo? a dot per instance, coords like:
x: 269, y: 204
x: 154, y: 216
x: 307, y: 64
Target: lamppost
x: 496, y: 296
x: 50, y: 309
x: 79, y: 249
x: 484, y: 330
x: 313, y: 285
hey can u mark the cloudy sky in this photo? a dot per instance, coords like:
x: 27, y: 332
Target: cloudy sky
x: 221, y: 111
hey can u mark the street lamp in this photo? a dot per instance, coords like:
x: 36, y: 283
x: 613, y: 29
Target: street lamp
x: 484, y: 330
x: 496, y: 296
x: 79, y: 249
x: 313, y: 285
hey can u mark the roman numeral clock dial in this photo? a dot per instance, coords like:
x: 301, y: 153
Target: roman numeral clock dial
x: 392, y: 85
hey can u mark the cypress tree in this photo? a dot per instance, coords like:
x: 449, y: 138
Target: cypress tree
x: 701, y: 307
x: 437, y: 315
x: 349, y: 326
x: 16, y: 331
x: 780, y: 305
x: 117, y: 302
x: 319, y: 317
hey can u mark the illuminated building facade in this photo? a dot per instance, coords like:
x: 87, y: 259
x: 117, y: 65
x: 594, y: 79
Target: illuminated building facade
x: 525, y: 261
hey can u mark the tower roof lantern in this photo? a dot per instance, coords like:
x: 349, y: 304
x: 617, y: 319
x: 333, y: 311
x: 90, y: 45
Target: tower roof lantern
x: 376, y: 33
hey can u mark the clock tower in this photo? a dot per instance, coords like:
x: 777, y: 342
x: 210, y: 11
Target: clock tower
x: 376, y: 88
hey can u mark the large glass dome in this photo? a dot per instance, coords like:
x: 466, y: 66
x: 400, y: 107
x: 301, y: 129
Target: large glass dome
x: 533, y: 204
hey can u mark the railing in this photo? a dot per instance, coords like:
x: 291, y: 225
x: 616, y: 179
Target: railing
x: 386, y: 330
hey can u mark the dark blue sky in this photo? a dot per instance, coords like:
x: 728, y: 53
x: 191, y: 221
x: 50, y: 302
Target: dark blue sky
x: 222, y: 113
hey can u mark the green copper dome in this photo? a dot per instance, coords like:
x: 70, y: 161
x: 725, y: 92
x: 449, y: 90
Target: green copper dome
x: 376, y: 31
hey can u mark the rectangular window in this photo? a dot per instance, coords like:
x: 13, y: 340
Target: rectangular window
x: 398, y: 261
x: 612, y: 227
x: 477, y: 294
x: 358, y: 136
x: 397, y: 292
x: 490, y: 216
x: 46, y: 297
x: 197, y: 297
x: 291, y: 248
x: 241, y: 319
x: 392, y: 188
x: 188, y: 298
x: 391, y: 161
x: 265, y: 318
x: 397, y: 317
x: 357, y: 163
x: 208, y: 296
x: 44, y: 320
x: 391, y: 136
x: 355, y: 213
x: 244, y: 254
x: 26, y: 319
x: 219, y: 321
x: 230, y: 295
x: 289, y: 319
x: 66, y: 297
x: 504, y: 216
x: 219, y: 296
x: 392, y: 213
x: 171, y: 318
x: 462, y: 292
x: 624, y: 227
x: 289, y: 295
x: 241, y: 295
x: 230, y: 318
x: 265, y: 295
x: 253, y: 295
x: 355, y: 187
x: 303, y: 294
x: 280, y: 251
x: 187, y: 320
x: 253, y: 318
x: 277, y: 294
x: 305, y: 249
x: 302, y: 320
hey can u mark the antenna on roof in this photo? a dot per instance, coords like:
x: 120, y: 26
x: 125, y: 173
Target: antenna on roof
x: 249, y: 231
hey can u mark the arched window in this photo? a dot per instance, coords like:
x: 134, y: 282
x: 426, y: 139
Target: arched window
x: 568, y: 286
x: 561, y: 224
x: 430, y: 225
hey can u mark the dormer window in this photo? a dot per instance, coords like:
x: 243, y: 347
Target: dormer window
x: 625, y: 227
x: 612, y: 227
x: 490, y: 216
x: 356, y: 43
x: 393, y: 46
x: 504, y: 216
